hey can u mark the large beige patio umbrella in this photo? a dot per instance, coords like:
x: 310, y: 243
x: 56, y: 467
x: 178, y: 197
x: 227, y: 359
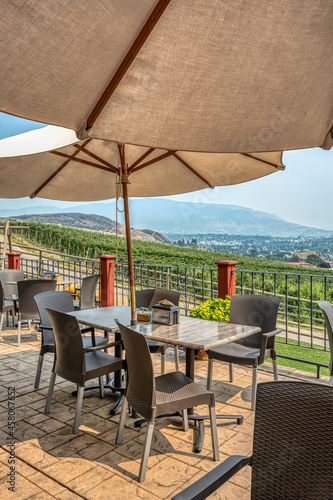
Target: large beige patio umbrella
x: 96, y: 169
x: 214, y: 76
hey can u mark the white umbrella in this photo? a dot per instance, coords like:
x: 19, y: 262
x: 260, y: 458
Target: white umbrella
x: 95, y: 169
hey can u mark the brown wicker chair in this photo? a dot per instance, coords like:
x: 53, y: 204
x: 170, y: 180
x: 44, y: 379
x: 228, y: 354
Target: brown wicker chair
x: 327, y: 309
x: 75, y: 363
x: 155, y: 396
x: 292, y: 446
x: 6, y: 306
x: 8, y: 276
x: 63, y: 302
x: 147, y: 298
x: 252, y: 310
x: 87, y: 291
x: 27, y: 309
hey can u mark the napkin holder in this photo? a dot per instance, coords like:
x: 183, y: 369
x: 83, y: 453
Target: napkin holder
x: 166, y: 314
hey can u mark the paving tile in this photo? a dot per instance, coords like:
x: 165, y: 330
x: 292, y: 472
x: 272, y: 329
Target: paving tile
x: 74, y: 446
x: 23, y: 489
x: 68, y: 468
x: 55, y: 439
x: 96, y: 450
x: 168, y: 476
x: 120, y: 488
x: 32, y: 453
x: 90, y: 479
x: 24, y: 431
x: 45, y: 483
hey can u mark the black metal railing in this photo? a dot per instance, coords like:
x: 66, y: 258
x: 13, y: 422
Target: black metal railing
x: 299, y: 318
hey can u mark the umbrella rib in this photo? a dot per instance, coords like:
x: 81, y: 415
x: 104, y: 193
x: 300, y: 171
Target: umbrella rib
x: 127, y: 61
x: 279, y: 167
x: 49, y: 179
x: 139, y: 160
x: 193, y: 170
x: 150, y: 162
x: 80, y: 160
x: 96, y: 157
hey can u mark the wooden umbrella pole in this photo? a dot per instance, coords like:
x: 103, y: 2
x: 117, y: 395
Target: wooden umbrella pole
x: 124, y: 181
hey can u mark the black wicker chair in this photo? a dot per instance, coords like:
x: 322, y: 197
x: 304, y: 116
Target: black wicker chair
x: 76, y: 363
x: 155, y: 396
x: 87, y: 291
x: 147, y: 298
x: 63, y: 302
x: 6, y: 307
x: 27, y: 309
x: 327, y: 309
x: 292, y: 446
x: 252, y: 310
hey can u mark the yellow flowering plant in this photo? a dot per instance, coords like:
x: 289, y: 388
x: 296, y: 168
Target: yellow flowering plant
x: 213, y: 310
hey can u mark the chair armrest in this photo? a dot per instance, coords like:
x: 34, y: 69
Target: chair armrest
x: 99, y: 347
x: 264, y: 341
x: 42, y: 327
x: 87, y: 329
x: 210, y: 482
x: 272, y: 333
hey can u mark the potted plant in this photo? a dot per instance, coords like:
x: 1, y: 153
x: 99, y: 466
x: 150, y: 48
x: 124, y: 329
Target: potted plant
x: 212, y: 310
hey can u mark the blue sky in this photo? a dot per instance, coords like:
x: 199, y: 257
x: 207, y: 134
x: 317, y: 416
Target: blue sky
x: 301, y: 194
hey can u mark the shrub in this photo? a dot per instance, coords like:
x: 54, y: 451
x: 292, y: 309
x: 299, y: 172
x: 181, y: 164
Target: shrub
x: 213, y: 310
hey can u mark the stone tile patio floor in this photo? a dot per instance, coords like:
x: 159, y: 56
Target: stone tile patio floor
x: 51, y: 462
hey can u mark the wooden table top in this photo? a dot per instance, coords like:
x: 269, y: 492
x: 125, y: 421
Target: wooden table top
x: 191, y: 333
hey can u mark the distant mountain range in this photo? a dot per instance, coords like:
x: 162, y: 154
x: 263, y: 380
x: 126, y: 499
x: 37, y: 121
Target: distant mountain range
x: 91, y: 222
x: 167, y: 216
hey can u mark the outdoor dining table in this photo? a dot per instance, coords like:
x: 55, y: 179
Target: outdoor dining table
x: 192, y: 333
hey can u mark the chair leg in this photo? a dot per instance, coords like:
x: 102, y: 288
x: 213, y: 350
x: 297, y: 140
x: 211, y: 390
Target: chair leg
x: 176, y: 358
x: 162, y: 363
x: 185, y: 420
x: 122, y: 421
x: 145, y: 453
x: 231, y: 373
x: 213, y: 427
x: 79, y: 399
x: 39, y: 370
x: 101, y: 387
x: 210, y: 374
x: 254, y: 387
x: 19, y: 333
x: 50, y: 393
x: 29, y: 324
x: 275, y: 369
x: 1, y: 322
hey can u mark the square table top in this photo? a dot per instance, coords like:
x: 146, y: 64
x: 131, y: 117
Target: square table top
x: 193, y: 333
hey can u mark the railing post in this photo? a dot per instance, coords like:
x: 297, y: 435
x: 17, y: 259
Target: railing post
x: 226, y: 278
x: 107, y: 280
x: 14, y: 260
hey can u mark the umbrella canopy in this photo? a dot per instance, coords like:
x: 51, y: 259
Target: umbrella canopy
x: 217, y: 76
x: 95, y: 169
x: 89, y: 170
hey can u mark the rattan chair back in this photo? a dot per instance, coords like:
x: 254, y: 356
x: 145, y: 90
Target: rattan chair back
x: 327, y: 309
x: 60, y: 301
x: 10, y: 275
x: 69, y: 362
x: 27, y: 290
x: 149, y: 297
x: 255, y: 310
x: 140, y: 389
x: 293, y: 441
x: 88, y: 292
